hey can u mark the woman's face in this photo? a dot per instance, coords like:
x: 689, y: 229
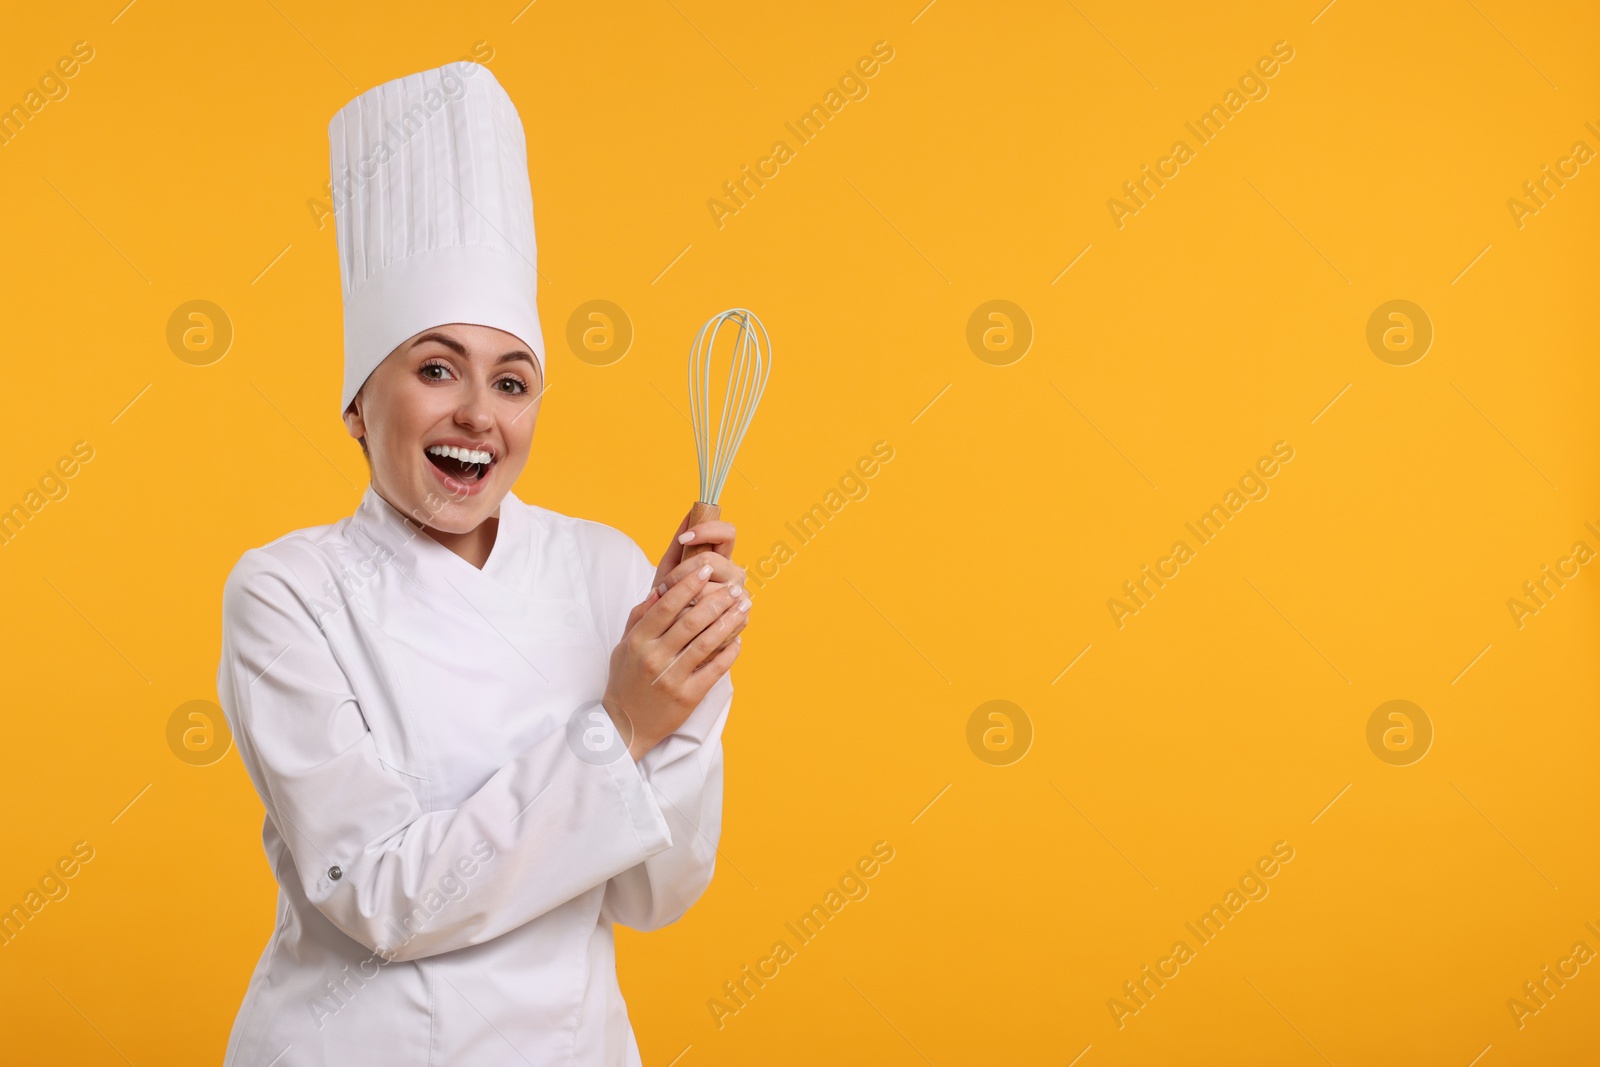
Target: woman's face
x: 459, y: 388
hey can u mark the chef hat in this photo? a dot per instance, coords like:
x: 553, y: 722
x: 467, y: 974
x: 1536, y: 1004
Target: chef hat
x: 433, y: 214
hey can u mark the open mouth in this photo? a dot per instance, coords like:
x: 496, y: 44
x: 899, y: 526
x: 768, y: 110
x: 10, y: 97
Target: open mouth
x: 467, y: 466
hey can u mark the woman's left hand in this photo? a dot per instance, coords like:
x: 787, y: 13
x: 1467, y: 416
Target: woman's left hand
x: 724, y: 572
x: 716, y: 533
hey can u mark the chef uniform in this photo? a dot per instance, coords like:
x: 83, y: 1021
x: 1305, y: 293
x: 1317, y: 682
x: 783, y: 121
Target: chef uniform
x: 453, y: 822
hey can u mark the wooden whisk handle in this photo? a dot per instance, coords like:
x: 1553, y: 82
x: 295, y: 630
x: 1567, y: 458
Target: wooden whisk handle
x: 701, y: 512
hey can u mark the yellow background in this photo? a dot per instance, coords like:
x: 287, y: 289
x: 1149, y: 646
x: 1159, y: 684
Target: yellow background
x: 1222, y: 318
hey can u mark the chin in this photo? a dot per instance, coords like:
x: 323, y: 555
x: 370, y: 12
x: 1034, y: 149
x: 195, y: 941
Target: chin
x: 463, y: 518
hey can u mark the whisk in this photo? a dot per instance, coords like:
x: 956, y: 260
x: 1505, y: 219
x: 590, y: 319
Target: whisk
x: 747, y: 378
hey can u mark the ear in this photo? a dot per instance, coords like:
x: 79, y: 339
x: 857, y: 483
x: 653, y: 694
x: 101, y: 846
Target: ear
x: 352, y: 417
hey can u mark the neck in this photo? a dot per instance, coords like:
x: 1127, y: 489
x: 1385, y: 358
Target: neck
x: 474, y: 545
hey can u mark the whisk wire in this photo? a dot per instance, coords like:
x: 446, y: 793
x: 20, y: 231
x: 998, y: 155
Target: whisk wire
x: 747, y: 380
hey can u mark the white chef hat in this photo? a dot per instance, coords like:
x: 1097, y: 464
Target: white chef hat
x: 433, y: 214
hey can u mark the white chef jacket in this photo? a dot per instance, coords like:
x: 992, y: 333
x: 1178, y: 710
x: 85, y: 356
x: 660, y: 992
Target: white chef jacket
x: 450, y: 849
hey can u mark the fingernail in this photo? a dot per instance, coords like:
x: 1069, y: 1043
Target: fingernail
x: 704, y: 572
x: 744, y: 605
x: 661, y: 590
x: 685, y: 537
x: 735, y: 590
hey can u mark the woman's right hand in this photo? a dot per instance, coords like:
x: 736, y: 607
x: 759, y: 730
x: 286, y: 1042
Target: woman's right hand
x: 669, y: 657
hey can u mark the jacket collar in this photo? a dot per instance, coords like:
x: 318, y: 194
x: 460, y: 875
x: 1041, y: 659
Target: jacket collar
x: 420, y: 555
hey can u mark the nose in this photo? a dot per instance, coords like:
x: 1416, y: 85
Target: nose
x: 474, y: 413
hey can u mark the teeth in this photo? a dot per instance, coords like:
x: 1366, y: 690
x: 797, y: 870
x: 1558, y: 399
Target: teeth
x: 465, y: 455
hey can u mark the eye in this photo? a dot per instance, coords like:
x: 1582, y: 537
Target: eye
x: 435, y: 371
x: 511, y: 385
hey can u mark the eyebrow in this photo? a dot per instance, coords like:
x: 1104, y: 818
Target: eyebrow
x: 461, y: 350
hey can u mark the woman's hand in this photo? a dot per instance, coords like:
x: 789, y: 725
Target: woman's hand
x: 720, y: 535
x: 674, y: 648
x: 716, y: 533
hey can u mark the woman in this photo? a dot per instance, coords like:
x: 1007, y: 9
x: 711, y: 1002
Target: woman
x: 483, y: 731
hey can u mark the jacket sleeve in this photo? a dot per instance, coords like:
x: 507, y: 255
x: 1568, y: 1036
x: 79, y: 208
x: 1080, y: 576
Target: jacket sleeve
x: 684, y: 775
x: 546, y: 827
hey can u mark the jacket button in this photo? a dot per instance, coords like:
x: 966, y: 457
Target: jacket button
x: 335, y: 873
